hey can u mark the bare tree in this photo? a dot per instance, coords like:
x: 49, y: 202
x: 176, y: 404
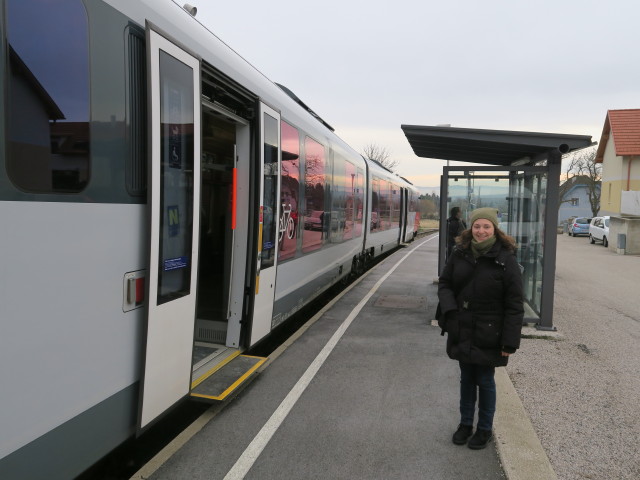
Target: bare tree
x: 379, y: 154
x: 583, y: 168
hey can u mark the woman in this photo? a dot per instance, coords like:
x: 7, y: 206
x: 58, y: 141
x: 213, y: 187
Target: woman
x: 480, y: 293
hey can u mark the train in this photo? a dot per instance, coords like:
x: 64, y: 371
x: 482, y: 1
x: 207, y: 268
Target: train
x: 164, y: 205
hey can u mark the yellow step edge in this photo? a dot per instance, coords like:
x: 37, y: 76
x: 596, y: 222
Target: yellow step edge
x: 198, y: 381
x: 235, y: 384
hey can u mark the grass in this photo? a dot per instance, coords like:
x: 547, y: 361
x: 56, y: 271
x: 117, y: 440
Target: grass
x: 425, y: 223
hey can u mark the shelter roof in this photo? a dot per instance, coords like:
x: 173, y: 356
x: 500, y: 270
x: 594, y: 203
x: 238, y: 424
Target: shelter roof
x: 625, y: 127
x: 491, y: 147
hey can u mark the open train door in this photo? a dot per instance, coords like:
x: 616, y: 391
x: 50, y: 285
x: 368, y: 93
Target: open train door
x: 269, y: 223
x: 174, y: 199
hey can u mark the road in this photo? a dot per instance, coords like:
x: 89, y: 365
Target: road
x: 582, y: 390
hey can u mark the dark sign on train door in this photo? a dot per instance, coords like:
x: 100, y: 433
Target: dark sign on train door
x: 174, y: 195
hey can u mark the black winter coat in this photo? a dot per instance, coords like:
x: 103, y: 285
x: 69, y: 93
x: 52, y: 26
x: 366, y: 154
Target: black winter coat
x: 481, y: 305
x: 455, y: 227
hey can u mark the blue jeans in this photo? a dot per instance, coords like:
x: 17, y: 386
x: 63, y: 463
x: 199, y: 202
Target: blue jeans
x: 477, y: 382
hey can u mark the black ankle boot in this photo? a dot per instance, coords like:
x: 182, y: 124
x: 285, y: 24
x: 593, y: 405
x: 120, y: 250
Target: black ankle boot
x: 480, y: 439
x: 462, y: 434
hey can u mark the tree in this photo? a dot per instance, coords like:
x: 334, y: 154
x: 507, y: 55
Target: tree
x: 583, y: 167
x: 379, y: 154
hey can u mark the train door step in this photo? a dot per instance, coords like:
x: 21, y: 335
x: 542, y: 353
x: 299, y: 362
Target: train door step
x: 207, y: 355
x: 225, y: 377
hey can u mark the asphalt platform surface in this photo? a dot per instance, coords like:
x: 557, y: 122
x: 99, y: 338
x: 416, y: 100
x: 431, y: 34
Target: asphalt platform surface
x: 366, y: 392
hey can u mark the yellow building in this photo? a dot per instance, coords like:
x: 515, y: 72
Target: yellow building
x: 619, y: 153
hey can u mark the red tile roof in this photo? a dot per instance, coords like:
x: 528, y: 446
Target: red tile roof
x: 625, y: 127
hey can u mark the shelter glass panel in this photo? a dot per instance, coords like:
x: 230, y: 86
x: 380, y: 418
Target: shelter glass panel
x: 519, y: 197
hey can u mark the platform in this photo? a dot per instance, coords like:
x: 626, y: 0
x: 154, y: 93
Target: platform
x: 365, y: 392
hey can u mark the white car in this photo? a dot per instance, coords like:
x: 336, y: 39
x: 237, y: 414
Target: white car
x: 599, y: 230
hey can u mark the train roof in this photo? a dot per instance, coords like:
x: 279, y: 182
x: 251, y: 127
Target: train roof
x: 171, y: 19
x: 380, y: 170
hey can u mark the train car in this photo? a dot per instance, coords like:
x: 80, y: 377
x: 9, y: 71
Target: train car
x: 392, y: 210
x: 165, y: 206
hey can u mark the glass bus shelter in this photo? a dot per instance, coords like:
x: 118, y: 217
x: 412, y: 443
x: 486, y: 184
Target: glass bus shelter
x: 519, y: 194
x: 518, y: 173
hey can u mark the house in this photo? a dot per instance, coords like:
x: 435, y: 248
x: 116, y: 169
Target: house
x: 619, y: 153
x: 574, y: 198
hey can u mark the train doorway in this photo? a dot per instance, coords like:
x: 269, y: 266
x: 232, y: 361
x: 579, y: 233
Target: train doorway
x: 224, y: 226
x: 224, y: 139
x: 200, y: 164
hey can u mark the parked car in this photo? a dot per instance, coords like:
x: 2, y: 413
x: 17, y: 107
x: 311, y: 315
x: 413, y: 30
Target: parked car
x: 599, y: 230
x: 579, y: 226
x: 314, y: 220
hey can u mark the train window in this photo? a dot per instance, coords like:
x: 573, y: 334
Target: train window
x: 48, y: 96
x: 385, y: 205
x: 375, y: 204
x: 315, y: 228
x: 350, y: 178
x: 176, y: 179
x: 358, y: 197
x: 289, y: 191
x: 269, y: 223
x: 337, y: 200
x: 395, y: 206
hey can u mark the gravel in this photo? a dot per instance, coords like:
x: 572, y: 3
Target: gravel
x: 582, y: 389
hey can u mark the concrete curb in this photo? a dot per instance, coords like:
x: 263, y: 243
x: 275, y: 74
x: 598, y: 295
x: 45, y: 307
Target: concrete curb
x: 519, y: 448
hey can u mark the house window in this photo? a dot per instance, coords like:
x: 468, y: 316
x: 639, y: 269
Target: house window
x: 575, y: 202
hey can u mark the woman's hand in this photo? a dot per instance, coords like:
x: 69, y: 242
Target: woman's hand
x: 505, y: 354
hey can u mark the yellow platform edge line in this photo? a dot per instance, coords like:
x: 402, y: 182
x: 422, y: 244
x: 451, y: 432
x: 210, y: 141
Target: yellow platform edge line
x: 235, y: 384
x: 197, y: 382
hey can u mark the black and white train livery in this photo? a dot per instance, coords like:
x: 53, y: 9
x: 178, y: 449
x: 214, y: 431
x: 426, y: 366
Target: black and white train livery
x: 156, y: 192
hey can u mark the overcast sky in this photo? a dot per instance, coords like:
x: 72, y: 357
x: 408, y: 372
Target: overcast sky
x: 367, y: 67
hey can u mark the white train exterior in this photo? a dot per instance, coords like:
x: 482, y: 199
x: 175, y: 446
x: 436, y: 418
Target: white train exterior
x: 156, y: 190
